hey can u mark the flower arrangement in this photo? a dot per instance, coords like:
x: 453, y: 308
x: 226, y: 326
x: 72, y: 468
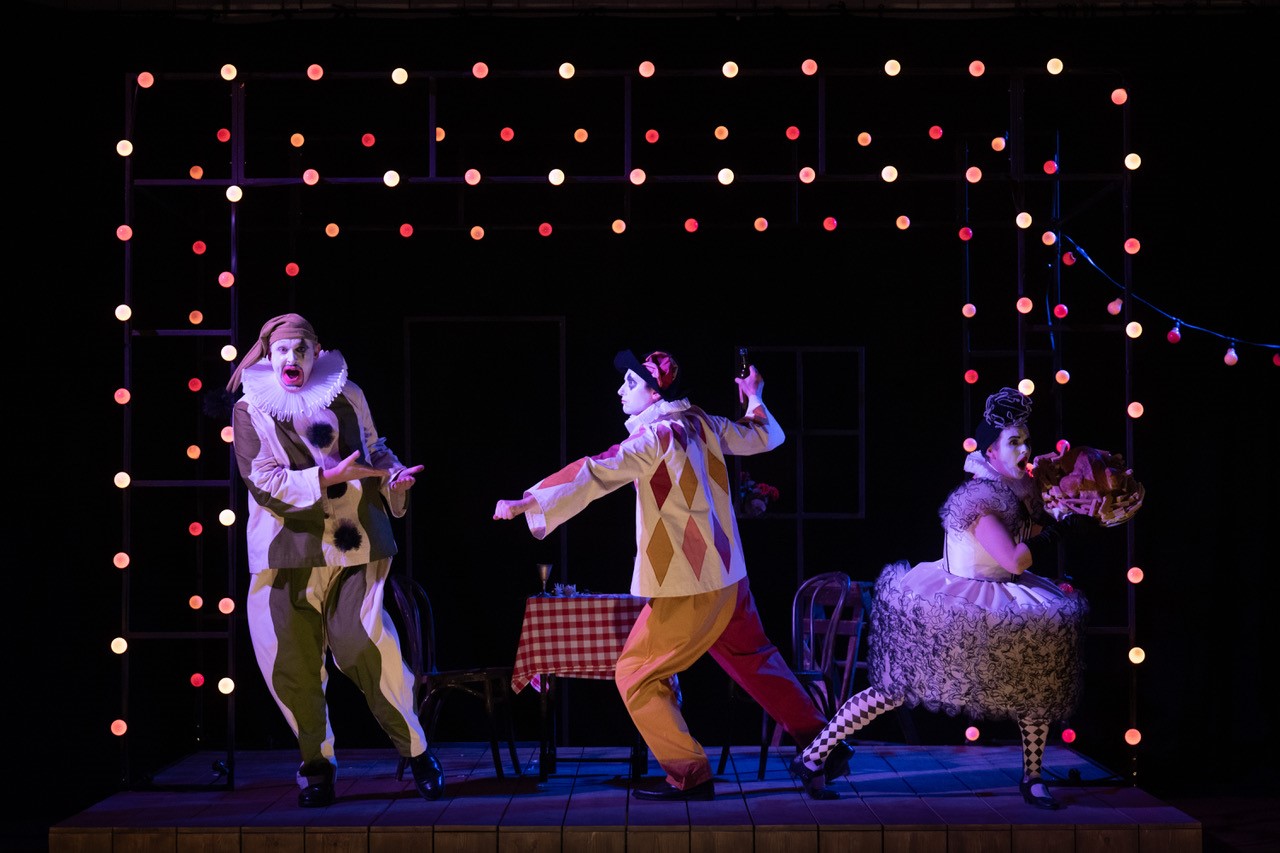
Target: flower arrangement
x: 754, y: 498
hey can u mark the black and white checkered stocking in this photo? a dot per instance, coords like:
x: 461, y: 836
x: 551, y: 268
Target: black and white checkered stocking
x: 860, y: 709
x: 1035, y: 736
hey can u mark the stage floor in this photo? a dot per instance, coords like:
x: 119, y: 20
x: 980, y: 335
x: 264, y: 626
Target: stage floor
x: 937, y: 799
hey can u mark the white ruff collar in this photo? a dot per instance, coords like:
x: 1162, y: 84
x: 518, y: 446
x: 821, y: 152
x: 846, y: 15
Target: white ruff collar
x: 657, y: 410
x: 263, y: 390
x: 976, y: 464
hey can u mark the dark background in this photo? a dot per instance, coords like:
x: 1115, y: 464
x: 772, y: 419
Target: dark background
x: 481, y: 406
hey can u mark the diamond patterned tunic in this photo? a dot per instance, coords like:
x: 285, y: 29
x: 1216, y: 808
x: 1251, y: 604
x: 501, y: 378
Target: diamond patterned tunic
x: 686, y: 531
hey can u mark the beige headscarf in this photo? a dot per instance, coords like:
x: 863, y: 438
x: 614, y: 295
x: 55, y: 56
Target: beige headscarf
x: 275, y: 329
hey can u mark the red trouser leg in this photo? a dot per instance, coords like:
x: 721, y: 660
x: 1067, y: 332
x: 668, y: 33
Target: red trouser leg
x: 749, y: 657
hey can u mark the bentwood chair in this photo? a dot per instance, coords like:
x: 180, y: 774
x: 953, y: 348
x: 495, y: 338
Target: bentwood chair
x: 828, y: 615
x: 410, y: 606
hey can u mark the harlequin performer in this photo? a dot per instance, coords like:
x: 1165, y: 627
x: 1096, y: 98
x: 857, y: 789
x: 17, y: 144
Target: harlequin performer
x: 975, y: 633
x: 689, y: 563
x: 321, y: 481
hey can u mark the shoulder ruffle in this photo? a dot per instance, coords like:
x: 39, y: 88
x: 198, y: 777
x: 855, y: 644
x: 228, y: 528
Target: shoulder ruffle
x: 977, y: 497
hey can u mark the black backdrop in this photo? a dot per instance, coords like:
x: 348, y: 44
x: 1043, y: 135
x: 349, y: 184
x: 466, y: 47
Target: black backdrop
x: 1203, y: 204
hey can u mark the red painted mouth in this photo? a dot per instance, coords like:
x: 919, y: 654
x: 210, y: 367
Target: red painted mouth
x: 292, y: 375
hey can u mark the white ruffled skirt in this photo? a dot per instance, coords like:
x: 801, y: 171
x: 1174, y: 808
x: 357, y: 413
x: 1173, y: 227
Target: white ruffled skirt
x: 983, y: 648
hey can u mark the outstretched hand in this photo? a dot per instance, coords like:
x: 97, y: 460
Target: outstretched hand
x: 507, y: 510
x: 349, y: 469
x: 405, y: 479
x: 352, y: 468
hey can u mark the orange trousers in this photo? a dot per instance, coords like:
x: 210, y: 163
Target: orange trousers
x: 669, y: 636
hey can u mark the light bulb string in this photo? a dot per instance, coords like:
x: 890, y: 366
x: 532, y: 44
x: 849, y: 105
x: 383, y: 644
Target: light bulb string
x: 1231, y: 339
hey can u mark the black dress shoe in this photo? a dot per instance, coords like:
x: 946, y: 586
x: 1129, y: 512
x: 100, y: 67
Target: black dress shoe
x: 800, y: 772
x: 427, y: 776
x: 667, y: 791
x: 814, y: 781
x: 1046, y: 801
x: 837, y: 763
x: 316, y: 796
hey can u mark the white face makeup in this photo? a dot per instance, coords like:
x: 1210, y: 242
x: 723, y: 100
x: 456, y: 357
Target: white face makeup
x: 636, y: 394
x: 1011, y: 452
x: 292, y: 360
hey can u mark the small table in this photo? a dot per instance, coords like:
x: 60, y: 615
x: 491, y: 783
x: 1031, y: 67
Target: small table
x: 577, y: 636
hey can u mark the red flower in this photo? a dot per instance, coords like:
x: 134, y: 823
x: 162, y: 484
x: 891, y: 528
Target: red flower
x: 754, y: 497
x: 769, y: 492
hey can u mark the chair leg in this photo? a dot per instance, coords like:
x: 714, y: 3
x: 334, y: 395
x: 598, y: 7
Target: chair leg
x: 429, y: 716
x: 767, y: 726
x: 724, y: 760
x: 493, y: 729
x: 639, y: 757
x: 515, y: 755
x: 505, y: 698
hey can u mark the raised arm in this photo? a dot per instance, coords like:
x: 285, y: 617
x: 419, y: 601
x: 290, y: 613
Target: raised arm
x: 756, y: 431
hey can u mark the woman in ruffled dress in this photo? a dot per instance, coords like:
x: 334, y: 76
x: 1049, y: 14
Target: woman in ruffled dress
x: 974, y: 632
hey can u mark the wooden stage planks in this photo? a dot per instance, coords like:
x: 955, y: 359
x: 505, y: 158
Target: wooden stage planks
x: 896, y: 798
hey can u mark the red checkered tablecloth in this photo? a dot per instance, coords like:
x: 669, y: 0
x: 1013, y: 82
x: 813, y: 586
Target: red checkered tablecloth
x: 576, y: 636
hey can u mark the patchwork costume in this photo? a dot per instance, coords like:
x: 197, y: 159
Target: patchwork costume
x: 320, y: 556
x: 689, y: 563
